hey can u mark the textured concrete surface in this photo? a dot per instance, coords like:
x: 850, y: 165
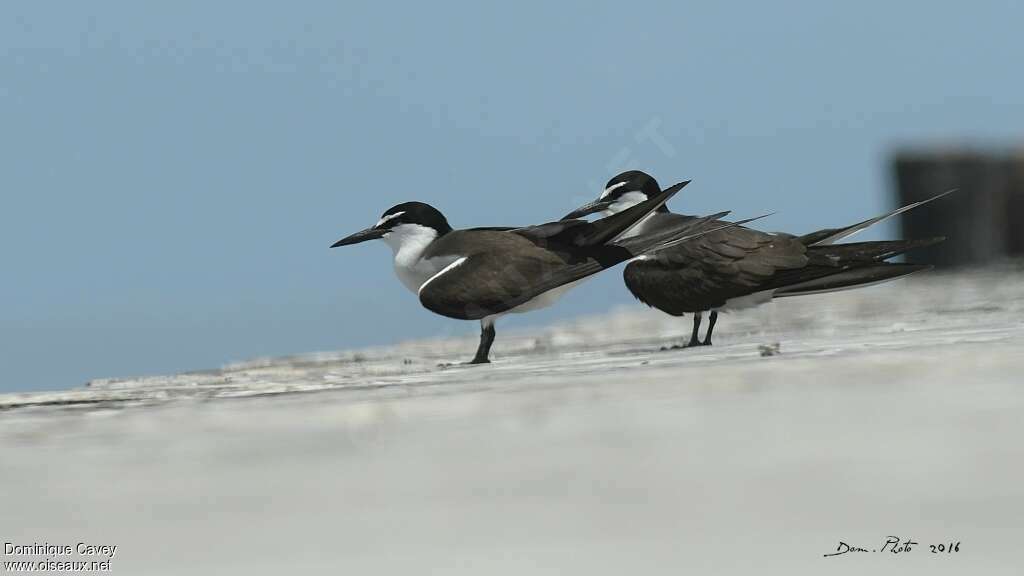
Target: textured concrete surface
x: 890, y: 411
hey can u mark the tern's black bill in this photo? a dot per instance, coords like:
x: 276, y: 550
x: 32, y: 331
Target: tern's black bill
x: 595, y: 206
x: 361, y: 236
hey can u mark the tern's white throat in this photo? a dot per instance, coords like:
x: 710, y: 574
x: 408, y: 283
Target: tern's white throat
x: 408, y: 242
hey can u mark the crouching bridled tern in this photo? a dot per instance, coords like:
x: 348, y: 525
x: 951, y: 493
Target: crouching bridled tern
x: 483, y: 273
x: 737, y: 267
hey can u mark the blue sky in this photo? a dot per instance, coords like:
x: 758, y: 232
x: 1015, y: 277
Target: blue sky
x: 172, y: 174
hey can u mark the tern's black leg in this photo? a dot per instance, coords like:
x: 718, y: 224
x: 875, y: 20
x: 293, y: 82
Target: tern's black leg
x: 486, y: 339
x: 697, y: 318
x: 711, y: 328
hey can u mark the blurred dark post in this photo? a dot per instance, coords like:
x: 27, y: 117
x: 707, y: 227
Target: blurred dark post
x: 983, y: 221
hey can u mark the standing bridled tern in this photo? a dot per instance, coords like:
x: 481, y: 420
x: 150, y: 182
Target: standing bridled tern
x: 737, y: 267
x: 484, y: 273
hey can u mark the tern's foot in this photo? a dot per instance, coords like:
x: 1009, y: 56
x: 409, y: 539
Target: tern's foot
x: 686, y: 346
x: 473, y: 362
x: 675, y: 347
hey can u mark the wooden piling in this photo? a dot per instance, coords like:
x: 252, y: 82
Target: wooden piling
x: 983, y: 220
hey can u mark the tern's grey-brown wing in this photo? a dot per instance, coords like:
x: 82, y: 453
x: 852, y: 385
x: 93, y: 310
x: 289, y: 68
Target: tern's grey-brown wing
x: 481, y: 285
x: 706, y: 272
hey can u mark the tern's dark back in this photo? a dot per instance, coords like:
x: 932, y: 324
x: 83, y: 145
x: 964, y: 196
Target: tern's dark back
x: 704, y: 273
x: 497, y: 271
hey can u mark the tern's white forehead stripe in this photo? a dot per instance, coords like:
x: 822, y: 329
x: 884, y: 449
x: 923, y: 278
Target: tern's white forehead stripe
x: 611, y: 189
x: 389, y: 217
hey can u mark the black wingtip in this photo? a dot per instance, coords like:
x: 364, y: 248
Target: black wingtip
x: 611, y: 228
x: 671, y: 190
x: 666, y: 194
x: 749, y: 220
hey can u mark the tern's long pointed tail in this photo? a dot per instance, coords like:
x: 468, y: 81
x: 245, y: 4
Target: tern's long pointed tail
x: 832, y: 235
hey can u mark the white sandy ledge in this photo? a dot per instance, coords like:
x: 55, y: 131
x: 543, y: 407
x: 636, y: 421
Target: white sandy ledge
x: 915, y: 320
x: 895, y: 410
